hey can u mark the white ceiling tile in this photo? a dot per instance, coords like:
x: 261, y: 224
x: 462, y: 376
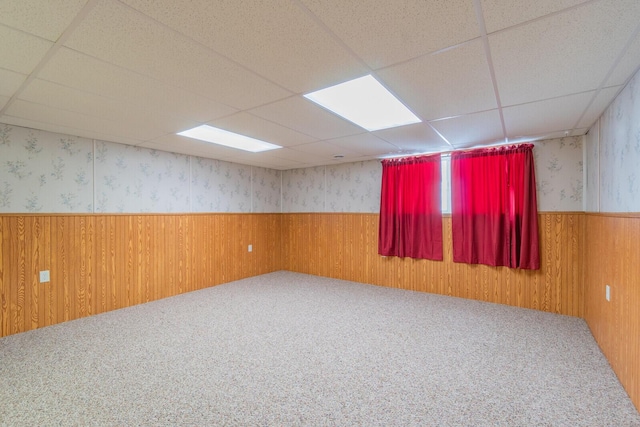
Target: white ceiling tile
x: 66, y: 130
x: 304, y: 116
x: 450, y: 83
x: 184, y: 145
x: 151, y: 119
x: 293, y: 155
x: 46, y: 19
x: 55, y: 116
x: 365, y: 144
x: 416, y: 138
x: 3, y: 102
x: 564, y: 53
x: 627, y: 66
x: 257, y: 127
x: 117, y: 34
x: 76, y: 70
x: 282, y: 43
x: 272, y: 163
x: 542, y: 117
x: 10, y: 82
x: 325, y: 151
x: 21, y: 52
x: 386, y: 32
x: 602, y: 101
x: 499, y: 14
x: 479, y: 128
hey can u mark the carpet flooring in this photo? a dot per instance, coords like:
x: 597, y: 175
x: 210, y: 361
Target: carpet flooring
x: 287, y: 349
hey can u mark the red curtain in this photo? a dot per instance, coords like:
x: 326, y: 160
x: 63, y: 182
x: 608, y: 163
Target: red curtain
x: 410, y: 210
x: 494, y: 212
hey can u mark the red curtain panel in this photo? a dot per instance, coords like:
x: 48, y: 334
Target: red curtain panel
x: 494, y: 211
x: 410, y: 209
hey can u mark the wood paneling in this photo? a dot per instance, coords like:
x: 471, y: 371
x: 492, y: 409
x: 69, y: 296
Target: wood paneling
x: 611, y: 258
x: 104, y: 262
x: 344, y: 246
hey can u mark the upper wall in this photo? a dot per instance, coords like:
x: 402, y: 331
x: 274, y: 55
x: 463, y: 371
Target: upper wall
x: 613, y: 155
x: 355, y: 187
x: 46, y: 172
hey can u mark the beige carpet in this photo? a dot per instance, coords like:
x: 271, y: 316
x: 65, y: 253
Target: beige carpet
x: 287, y: 349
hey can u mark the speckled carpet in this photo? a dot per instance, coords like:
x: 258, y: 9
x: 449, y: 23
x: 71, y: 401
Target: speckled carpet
x: 287, y: 349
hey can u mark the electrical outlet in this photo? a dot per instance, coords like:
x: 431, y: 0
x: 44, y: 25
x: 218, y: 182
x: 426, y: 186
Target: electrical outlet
x: 44, y: 276
x: 250, y: 248
x: 608, y: 292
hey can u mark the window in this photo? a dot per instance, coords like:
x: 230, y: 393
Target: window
x: 446, y: 183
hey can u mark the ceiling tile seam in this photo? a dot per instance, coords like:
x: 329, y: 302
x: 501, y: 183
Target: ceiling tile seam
x: 207, y: 48
x: 315, y: 138
x: 540, y: 18
x: 26, y: 33
x: 125, y: 102
x: 52, y: 50
x: 621, y: 54
x: 333, y: 35
x: 427, y: 54
x: 487, y: 52
x: 146, y: 77
x: 441, y: 136
x: 140, y: 141
x: 439, y: 119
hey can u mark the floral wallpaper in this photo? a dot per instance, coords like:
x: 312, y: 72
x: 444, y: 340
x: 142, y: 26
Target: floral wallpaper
x: 592, y: 166
x: 619, y: 152
x: 51, y: 173
x: 559, y: 174
x: 134, y: 179
x: 266, y: 187
x: 354, y: 187
x: 303, y: 190
x: 219, y: 186
x: 44, y: 172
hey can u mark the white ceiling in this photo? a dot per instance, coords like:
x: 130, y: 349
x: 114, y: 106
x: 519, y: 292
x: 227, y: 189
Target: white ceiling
x: 476, y: 72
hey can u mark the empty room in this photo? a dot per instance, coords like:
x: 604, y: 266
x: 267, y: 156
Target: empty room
x: 319, y: 213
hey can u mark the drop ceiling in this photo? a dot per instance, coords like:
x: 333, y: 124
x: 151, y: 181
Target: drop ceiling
x: 476, y: 72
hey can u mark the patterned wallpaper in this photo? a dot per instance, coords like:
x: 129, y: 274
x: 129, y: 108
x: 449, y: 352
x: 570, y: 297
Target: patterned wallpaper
x: 52, y: 173
x: 133, y: 179
x: 346, y: 187
x: 618, y: 153
x: 266, y: 190
x: 219, y: 186
x: 44, y: 172
x: 355, y: 187
x: 303, y: 190
x: 559, y: 174
x: 592, y: 166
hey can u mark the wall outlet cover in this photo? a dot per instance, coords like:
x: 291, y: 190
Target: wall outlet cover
x: 44, y: 276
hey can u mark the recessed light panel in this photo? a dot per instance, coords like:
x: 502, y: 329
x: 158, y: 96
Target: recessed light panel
x: 228, y: 139
x: 365, y: 102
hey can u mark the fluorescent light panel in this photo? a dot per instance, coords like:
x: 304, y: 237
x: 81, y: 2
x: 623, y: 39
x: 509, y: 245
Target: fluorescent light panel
x: 365, y: 102
x: 228, y: 139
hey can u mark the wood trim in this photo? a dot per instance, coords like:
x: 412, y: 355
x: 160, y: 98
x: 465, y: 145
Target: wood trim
x: 100, y: 263
x: 615, y: 214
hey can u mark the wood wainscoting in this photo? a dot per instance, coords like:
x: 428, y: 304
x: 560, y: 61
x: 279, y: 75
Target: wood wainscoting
x: 99, y: 263
x: 612, y: 257
x: 345, y: 246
